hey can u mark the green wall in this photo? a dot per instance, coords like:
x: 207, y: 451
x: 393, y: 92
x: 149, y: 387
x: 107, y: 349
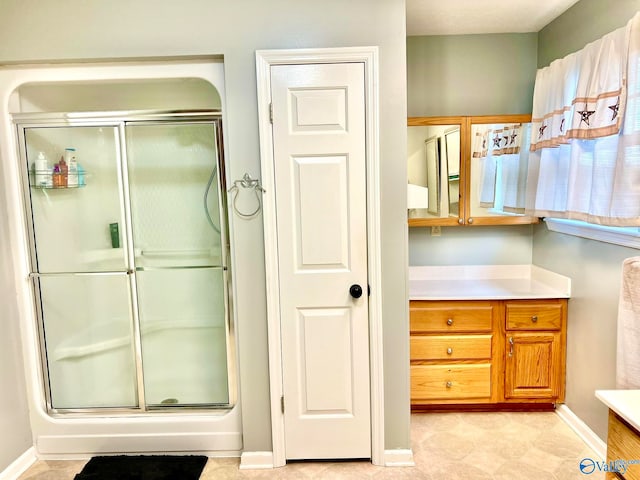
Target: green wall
x: 471, y: 74
x: 584, y: 22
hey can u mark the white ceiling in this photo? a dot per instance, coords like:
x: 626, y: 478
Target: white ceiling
x: 457, y: 17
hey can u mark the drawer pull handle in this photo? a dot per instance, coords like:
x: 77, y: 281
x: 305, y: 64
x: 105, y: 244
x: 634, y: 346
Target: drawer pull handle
x: 449, y: 384
x: 511, y: 346
x: 450, y: 321
x: 534, y: 318
x: 449, y: 351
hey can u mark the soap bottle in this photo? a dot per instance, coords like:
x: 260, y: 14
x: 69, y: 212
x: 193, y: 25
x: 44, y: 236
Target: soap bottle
x: 42, y: 173
x: 57, y: 176
x: 81, y: 181
x: 72, y: 165
x: 64, y: 171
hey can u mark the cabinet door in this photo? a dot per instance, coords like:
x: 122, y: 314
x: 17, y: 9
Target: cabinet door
x: 433, y: 170
x: 534, y: 365
x: 497, y: 169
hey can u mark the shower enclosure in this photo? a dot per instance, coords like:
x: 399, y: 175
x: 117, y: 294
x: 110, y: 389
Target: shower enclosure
x: 129, y: 259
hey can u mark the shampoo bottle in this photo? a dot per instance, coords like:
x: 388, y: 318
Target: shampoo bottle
x: 42, y: 173
x: 72, y: 165
x: 64, y: 171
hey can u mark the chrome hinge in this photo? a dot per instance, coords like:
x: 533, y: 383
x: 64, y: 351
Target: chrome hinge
x: 282, y: 403
x: 271, y: 113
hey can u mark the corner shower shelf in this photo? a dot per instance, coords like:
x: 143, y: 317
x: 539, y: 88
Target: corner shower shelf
x: 37, y: 174
x: 42, y: 187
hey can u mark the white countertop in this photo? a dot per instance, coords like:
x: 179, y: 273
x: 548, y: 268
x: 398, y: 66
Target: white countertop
x: 486, y: 282
x: 626, y: 403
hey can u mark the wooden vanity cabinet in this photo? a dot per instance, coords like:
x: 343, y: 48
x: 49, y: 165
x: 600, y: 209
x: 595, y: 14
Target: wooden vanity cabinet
x: 487, y: 351
x: 535, y: 350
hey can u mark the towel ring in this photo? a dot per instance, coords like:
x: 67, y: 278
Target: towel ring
x: 246, y: 183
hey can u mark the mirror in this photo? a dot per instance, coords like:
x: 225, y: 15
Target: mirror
x: 499, y: 162
x: 433, y: 170
x: 468, y: 170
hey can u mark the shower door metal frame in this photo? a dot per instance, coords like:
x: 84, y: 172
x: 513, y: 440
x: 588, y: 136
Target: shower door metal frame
x: 119, y: 120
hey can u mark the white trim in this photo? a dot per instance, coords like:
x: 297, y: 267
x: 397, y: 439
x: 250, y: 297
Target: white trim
x: 593, y: 441
x: 595, y: 232
x: 256, y: 460
x: 368, y: 56
x: 399, y: 458
x: 19, y: 465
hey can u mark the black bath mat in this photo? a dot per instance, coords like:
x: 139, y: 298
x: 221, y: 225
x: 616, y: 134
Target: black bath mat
x: 143, y: 467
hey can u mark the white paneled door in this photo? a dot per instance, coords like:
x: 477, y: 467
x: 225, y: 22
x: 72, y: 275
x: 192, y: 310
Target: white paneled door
x: 320, y: 179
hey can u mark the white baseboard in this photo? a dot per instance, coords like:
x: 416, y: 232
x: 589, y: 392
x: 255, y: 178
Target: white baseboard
x: 255, y: 460
x: 593, y: 441
x: 392, y: 458
x: 19, y: 466
x: 399, y: 458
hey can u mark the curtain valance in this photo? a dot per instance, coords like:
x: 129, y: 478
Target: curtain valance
x: 582, y: 95
x: 585, y: 146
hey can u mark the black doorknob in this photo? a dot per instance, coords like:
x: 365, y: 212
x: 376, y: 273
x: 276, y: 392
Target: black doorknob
x: 355, y: 291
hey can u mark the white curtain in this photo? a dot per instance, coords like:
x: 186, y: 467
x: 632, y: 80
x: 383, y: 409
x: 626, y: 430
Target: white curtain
x: 585, y: 147
x: 503, y: 165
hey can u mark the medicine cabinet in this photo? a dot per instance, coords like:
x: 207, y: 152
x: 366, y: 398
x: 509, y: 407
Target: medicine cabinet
x: 467, y: 170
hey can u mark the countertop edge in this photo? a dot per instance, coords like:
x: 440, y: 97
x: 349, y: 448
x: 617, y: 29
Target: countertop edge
x: 622, y: 402
x: 486, y: 282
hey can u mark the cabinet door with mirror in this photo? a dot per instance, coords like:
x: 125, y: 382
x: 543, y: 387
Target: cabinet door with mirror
x: 468, y: 170
x: 434, y: 170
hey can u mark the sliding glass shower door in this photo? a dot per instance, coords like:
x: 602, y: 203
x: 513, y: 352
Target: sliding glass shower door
x: 179, y: 260
x: 129, y: 262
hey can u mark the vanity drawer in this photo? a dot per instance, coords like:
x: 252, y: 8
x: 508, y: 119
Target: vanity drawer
x: 450, y: 347
x: 534, y: 316
x: 442, y: 317
x: 451, y: 382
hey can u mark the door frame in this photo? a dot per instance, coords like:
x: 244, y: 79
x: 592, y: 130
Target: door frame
x: 369, y: 57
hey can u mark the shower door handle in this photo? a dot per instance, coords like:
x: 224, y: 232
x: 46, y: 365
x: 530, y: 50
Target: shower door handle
x: 355, y: 290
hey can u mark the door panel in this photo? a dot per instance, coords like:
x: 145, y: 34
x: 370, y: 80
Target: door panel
x: 316, y: 109
x: 87, y: 329
x: 322, y: 231
x: 72, y: 226
x: 183, y: 336
x: 320, y: 176
x: 327, y: 358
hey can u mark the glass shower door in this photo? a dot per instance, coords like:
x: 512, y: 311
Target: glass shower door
x: 78, y: 266
x: 179, y: 243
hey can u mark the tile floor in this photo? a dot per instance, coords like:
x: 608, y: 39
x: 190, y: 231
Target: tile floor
x: 446, y: 446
